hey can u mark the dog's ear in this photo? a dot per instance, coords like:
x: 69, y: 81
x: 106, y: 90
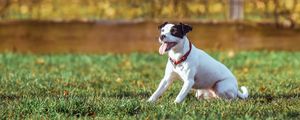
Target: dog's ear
x: 185, y: 28
x: 162, y: 25
x: 180, y: 30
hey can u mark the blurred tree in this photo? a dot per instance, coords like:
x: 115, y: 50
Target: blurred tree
x: 279, y: 11
x: 266, y: 8
x: 156, y: 6
x: 4, y: 4
x: 180, y: 8
x: 283, y: 15
x: 236, y: 9
x: 206, y: 7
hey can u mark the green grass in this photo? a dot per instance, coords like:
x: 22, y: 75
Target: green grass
x: 114, y: 86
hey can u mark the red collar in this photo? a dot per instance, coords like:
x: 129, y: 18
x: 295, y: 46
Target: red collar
x: 183, y: 58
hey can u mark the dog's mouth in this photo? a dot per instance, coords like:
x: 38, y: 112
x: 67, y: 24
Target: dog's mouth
x: 166, y: 46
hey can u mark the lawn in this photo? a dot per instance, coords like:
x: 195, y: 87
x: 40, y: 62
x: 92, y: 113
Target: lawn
x: 116, y: 86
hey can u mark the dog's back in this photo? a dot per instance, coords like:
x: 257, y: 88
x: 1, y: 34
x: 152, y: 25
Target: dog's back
x: 209, y: 70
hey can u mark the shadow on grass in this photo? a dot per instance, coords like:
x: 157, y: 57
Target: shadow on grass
x: 267, y: 98
x: 78, y: 111
x: 9, y: 97
x: 128, y: 94
x: 262, y: 98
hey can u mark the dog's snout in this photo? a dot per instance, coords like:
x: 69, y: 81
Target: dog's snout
x: 162, y: 37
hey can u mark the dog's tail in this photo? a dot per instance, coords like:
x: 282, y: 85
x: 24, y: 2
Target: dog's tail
x: 244, y: 93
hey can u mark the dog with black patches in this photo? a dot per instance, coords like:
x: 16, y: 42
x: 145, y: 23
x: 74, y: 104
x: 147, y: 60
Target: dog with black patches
x: 197, y: 70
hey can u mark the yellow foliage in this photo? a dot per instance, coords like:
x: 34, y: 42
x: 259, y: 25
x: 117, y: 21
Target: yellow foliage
x: 24, y: 9
x: 133, y: 9
x: 215, y: 8
x: 271, y: 6
x: 46, y: 9
x: 297, y: 10
x: 196, y: 7
x: 260, y: 5
x: 248, y: 8
x: 289, y: 4
x: 108, y: 10
x: 167, y: 10
x: 295, y: 16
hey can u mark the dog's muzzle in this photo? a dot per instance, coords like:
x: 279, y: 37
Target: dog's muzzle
x: 162, y: 37
x: 166, y: 46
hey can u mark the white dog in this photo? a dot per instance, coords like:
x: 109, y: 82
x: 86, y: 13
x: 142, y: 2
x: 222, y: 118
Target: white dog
x: 197, y: 69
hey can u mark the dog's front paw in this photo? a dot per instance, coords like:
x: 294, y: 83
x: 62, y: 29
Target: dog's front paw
x: 177, y: 101
x: 151, y: 99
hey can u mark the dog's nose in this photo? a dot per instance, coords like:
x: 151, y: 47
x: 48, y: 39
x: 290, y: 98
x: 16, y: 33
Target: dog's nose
x: 162, y: 37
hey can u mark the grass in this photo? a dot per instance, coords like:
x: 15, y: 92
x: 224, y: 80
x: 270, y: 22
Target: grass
x: 110, y: 86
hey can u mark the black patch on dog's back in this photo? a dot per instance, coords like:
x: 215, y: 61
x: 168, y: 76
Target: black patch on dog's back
x: 180, y: 30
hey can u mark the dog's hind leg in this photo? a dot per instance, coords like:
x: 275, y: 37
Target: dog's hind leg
x: 205, y: 94
x: 199, y: 94
x: 226, y: 89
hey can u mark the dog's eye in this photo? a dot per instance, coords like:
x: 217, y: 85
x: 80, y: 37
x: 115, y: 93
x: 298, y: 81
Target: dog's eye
x: 162, y: 30
x: 173, y: 30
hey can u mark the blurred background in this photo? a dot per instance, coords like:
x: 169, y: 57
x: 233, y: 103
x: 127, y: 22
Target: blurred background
x: 122, y: 26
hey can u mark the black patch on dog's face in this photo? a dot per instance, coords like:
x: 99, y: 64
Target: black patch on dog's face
x: 162, y: 25
x: 180, y: 30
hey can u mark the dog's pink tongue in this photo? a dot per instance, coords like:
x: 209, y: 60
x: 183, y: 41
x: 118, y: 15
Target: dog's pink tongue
x: 162, y: 48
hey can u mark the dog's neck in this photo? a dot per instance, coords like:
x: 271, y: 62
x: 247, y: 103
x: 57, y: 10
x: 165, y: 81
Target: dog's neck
x: 180, y: 49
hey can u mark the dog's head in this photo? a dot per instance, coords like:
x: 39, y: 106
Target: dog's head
x: 172, y: 35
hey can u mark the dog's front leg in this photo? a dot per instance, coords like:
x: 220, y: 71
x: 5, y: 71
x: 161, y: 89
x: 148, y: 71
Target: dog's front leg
x: 188, y: 79
x: 164, y: 83
x: 187, y: 86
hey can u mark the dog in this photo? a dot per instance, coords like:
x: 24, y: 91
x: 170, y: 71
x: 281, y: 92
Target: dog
x: 197, y: 70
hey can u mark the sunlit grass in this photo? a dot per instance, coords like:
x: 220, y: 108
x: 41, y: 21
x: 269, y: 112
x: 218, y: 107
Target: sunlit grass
x: 116, y: 86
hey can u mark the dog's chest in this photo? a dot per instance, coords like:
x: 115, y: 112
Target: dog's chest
x: 181, y: 69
